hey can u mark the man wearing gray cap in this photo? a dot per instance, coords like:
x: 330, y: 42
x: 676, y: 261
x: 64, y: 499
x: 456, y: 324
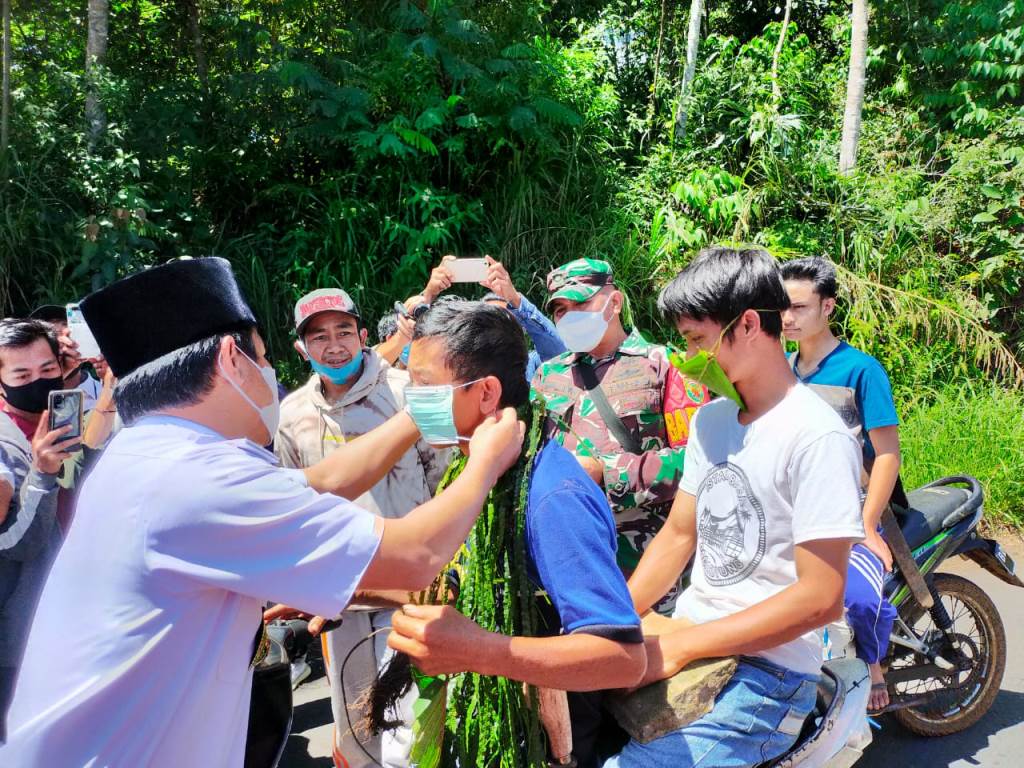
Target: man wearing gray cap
x: 143, y: 642
x: 351, y: 392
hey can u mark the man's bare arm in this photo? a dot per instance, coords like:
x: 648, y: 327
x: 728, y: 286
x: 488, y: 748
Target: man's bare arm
x: 414, y: 548
x: 812, y: 602
x: 441, y: 640
x: 355, y: 467
x: 884, y: 473
x: 667, y: 555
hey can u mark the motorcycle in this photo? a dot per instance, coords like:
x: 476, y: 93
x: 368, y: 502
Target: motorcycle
x: 946, y: 661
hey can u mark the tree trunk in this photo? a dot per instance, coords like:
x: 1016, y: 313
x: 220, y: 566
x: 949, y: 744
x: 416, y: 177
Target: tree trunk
x: 198, y: 51
x: 5, y: 96
x: 854, y: 87
x: 95, y: 55
x: 692, y: 44
x: 776, y: 90
x: 657, y: 70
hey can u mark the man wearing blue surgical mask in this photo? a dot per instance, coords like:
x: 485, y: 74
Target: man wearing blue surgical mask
x: 352, y: 390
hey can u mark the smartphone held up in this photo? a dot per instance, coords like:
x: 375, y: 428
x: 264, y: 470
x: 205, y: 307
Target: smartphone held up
x: 470, y: 270
x: 66, y: 407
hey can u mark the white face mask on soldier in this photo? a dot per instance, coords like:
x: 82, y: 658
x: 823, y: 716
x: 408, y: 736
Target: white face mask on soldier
x: 269, y: 414
x: 580, y: 330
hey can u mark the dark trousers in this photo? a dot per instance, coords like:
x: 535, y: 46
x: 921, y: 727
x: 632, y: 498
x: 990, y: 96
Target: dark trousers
x: 8, y: 676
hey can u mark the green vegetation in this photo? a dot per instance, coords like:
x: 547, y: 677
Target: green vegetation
x: 319, y: 142
x: 972, y: 429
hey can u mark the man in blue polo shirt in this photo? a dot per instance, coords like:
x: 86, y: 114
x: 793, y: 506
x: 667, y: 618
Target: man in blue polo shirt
x: 856, y: 385
x: 570, y: 532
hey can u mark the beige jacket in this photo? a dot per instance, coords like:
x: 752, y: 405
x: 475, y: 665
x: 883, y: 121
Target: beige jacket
x: 311, y: 428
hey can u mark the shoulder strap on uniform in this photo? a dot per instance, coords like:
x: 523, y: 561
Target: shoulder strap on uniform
x: 611, y: 419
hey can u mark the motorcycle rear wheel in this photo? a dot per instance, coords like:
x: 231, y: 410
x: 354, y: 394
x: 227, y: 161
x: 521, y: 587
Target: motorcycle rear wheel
x: 962, y: 699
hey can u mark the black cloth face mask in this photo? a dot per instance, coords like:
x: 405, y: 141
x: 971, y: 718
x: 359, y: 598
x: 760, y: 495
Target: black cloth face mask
x: 32, y: 397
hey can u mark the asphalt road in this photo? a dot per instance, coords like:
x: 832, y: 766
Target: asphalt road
x: 995, y: 742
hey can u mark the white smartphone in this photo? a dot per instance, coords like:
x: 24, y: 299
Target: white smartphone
x: 80, y: 333
x: 468, y: 270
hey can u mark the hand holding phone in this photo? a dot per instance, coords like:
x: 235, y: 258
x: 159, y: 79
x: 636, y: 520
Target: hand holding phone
x: 80, y: 333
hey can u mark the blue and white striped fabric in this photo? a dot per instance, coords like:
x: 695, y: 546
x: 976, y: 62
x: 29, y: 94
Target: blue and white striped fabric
x: 868, y: 613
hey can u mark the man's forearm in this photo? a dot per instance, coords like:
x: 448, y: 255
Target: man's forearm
x: 416, y: 547
x: 660, y: 567
x: 577, y: 662
x: 391, y: 349
x: 356, y: 466
x: 884, y: 473
x: 796, y: 610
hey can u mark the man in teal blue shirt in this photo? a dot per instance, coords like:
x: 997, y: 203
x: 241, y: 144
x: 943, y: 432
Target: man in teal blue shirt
x: 856, y: 385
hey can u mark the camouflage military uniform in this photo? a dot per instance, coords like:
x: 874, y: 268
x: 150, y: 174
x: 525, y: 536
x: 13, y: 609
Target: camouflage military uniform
x: 637, y: 380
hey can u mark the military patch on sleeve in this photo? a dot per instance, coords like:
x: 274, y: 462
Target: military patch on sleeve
x: 694, y: 391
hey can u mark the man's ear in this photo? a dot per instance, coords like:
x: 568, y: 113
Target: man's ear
x: 301, y: 349
x: 229, y: 358
x: 490, y: 395
x: 828, y: 306
x: 750, y: 323
x: 616, y: 300
x: 362, y: 337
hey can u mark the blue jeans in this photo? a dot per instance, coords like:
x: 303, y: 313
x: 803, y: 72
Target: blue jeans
x: 757, y: 717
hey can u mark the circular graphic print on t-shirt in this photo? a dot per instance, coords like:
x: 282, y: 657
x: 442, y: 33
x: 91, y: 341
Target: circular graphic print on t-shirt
x: 731, y: 526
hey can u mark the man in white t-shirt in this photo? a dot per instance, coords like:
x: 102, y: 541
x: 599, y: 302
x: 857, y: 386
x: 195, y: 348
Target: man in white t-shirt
x: 769, y: 502
x: 145, y: 635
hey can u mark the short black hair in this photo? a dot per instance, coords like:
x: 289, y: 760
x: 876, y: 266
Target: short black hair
x: 18, y: 333
x: 387, y: 327
x: 179, y: 378
x: 819, y: 271
x: 50, y: 313
x: 722, y: 283
x: 480, y: 340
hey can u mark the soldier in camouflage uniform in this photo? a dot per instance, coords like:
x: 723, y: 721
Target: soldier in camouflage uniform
x: 650, y: 397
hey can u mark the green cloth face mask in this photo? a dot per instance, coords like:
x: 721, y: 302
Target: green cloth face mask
x: 704, y: 369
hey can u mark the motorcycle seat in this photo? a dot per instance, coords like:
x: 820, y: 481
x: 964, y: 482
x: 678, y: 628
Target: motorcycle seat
x: 931, y: 509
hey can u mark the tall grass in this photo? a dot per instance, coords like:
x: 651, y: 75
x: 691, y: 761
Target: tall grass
x: 975, y: 430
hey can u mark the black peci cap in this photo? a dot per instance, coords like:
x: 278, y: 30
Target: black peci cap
x: 149, y: 314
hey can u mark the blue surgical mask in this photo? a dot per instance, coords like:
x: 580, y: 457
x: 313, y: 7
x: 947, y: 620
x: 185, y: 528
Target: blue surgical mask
x: 431, y: 410
x: 337, y: 375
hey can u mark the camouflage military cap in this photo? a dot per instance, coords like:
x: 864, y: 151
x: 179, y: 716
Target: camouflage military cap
x: 578, y: 280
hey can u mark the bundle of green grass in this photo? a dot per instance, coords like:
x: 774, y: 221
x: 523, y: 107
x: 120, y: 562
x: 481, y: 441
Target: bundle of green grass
x: 473, y: 720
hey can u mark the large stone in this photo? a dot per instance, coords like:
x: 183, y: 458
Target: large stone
x: 668, y: 705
